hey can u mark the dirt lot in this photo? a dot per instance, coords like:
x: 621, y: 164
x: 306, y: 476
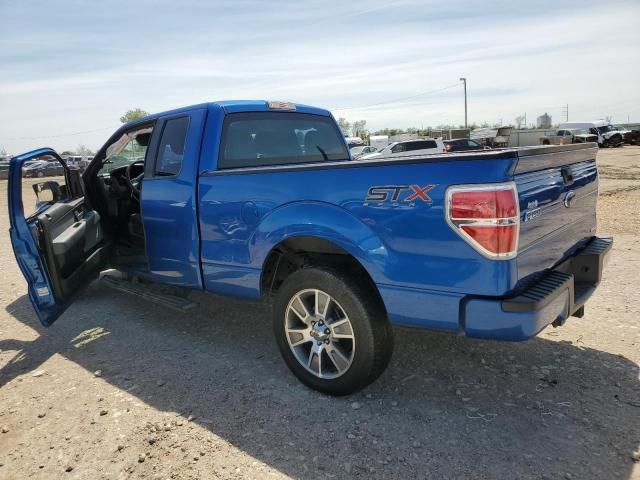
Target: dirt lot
x: 122, y: 388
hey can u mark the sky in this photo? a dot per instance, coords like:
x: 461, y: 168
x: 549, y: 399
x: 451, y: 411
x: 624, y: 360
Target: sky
x: 70, y: 68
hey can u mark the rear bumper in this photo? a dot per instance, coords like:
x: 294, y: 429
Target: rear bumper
x: 554, y: 298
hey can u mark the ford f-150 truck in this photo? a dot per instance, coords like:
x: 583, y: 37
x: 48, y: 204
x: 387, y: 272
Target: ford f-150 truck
x: 261, y: 200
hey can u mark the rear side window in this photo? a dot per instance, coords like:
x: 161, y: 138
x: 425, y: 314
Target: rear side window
x: 171, y: 148
x: 420, y: 145
x: 276, y: 138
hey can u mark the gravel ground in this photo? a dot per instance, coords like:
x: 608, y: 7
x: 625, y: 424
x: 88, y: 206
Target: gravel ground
x: 122, y: 388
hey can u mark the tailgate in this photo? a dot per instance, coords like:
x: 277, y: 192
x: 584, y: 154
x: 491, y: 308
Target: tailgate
x: 558, y: 192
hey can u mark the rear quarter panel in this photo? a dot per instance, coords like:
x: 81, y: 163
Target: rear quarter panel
x: 244, y: 214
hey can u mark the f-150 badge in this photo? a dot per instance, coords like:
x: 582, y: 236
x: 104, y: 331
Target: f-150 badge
x: 406, y: 195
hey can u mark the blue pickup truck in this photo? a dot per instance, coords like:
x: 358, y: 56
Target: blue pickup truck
x: 261, y: 200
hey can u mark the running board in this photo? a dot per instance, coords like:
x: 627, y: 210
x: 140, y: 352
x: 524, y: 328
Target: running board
x: 147, y: 292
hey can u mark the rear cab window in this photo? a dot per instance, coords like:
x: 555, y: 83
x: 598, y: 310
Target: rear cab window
x: 254, y: 139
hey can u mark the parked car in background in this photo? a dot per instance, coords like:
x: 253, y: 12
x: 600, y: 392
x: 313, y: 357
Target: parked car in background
x: 608, y: 135
x: 357, y: 152
x: 625, y: 132
x: 78, y: 161
x: 463, y: 145
x: 565, y: 136
x: 354, y: 141
x: 632, y: 137
x: 43, y: 168
x: 419, y: 146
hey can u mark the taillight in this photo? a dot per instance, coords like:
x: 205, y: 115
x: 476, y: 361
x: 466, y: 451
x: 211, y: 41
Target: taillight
x: 487, y: 217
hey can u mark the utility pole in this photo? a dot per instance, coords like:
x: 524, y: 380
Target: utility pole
x: 565, y: 110
x: 464, y: 81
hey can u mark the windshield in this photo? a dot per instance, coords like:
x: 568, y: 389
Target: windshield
x: 356, y: 150
x: 605, y: 129
x: 130, y: 147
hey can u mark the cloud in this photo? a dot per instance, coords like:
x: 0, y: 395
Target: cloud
x: 83, y: 64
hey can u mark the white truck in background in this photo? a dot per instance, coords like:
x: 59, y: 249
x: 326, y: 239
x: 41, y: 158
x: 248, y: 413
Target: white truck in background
x: 607, y: 134
x: 566, y: 136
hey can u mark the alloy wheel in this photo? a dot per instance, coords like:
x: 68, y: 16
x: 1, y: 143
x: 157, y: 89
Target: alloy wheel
x: 319, y: 333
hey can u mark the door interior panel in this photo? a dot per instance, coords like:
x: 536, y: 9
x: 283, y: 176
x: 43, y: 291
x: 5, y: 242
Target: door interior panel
x: 72, y: 238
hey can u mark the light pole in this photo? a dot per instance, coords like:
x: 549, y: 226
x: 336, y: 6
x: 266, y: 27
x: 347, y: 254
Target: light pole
x: 464, y: 81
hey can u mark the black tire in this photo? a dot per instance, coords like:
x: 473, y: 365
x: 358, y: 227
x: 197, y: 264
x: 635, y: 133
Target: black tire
x: 373, y: 334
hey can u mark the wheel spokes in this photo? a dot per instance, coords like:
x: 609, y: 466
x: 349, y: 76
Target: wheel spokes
x: 341, y: 329
x: 300, y: 309
x: 298, y: 336
x: 322, y: 302
x: 338, y: 359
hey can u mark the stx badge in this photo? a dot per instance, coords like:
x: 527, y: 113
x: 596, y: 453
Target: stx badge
x: 398, y: 194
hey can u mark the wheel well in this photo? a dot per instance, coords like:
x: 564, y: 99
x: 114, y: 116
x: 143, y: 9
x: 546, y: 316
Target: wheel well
x: 303, y: 252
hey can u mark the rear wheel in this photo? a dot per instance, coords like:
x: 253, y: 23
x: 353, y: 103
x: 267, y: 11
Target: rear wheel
x: 332, y: 332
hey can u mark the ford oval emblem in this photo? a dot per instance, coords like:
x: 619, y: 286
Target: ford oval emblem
x: 569, y: 198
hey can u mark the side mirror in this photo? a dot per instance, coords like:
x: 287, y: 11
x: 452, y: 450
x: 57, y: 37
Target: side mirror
x: 47, y: 192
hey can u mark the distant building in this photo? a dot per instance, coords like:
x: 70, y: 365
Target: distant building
x: 544, y: 121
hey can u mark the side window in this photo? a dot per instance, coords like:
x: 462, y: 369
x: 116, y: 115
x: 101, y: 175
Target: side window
x: 401, y: 147
x: 279, y: 138
x: 171, y: 148
x: 43, y: 184
x: 422, y: 145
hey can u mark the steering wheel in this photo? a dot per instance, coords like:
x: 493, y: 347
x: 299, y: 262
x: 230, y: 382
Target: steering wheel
x: 134, y: 183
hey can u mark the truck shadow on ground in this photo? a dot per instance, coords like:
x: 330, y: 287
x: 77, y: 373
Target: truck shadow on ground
x: 447, y: 406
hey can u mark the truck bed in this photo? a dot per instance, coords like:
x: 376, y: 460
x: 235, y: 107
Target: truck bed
x: 407, y: 248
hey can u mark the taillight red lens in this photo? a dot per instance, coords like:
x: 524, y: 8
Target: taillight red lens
x: 498, y: 240
x: 486, y: 217
x: 483, y: 204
